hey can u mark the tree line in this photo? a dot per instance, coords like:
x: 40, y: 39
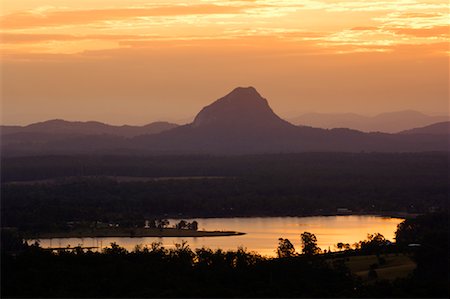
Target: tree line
x: 155, y: 271
x: 48, y: 206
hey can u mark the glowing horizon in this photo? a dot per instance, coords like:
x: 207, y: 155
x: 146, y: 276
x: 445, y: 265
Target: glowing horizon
x: 168, y: 59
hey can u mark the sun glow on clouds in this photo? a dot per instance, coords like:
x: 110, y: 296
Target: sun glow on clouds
x: 62, y: 27
x: 136, y: 61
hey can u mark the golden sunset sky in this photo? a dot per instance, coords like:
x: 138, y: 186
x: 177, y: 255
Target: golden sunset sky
x: 134, y: 62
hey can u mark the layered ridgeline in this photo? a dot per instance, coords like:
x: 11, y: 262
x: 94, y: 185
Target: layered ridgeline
x: 62, y: 127
x: 243, y: 122
x: 60, y: 136
x: 239, y: 123
x: 391, y: 122
x: 442, y: 128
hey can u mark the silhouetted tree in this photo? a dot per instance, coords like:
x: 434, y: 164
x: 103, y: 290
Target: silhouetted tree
x: 162, y: 223
x: 193, y: 225
x: 285, y: 248
x: 183, y: 254
x: 181, y: 225
x: 342, y: 246
x: 432, y: 257
x: 115, y: 249
x: 309, y: 243
x: 373, y: 243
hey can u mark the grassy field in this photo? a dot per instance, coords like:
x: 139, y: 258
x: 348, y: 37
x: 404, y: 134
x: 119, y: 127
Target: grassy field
x: 394, y: 266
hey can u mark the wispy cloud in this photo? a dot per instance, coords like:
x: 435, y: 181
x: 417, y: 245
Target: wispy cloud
x: 433, y: 32
x: 23, y: 20
x: 324, y: 24
x: 13, y: 38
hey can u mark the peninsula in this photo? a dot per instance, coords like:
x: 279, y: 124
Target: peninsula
x: 130, y: 232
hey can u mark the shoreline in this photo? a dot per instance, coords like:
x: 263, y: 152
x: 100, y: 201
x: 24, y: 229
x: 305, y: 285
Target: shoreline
x: 400, y: 215
x: 170, y: 232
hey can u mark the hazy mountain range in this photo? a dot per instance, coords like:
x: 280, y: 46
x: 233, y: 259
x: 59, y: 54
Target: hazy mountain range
x: 391, y: 122
x: 58, y: 126
x: 238, y: 123
x: 442, y: 128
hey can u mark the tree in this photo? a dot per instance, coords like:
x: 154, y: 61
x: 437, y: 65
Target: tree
x: 183, y: 254
x: 373, y: 243
x: 309, y: 243
x: 115, y: 249
x: 193, y: 225
x: 285, y: 248
x: 341, y: 246
x: 431, y: 231
x: 181, y: 225
x: 162, y: 223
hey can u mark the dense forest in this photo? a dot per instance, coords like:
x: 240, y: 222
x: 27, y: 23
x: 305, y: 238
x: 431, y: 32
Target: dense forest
x: 297, y: 165
x: 85, y: 188
x: 30, y: 271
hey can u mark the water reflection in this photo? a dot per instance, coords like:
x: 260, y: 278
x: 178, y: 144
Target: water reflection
x: 261, y: 233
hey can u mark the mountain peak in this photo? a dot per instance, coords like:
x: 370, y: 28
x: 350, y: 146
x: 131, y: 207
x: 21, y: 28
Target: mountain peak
x: 249, y: 91
x: 242, y: 107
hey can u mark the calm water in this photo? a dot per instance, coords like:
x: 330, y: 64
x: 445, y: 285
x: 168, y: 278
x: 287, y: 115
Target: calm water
x: 261, y: 233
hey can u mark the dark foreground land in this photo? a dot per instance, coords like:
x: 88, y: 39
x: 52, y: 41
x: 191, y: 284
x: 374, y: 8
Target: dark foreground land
x: 44, y: 193
x: 53, y: 193
x: 375, y: 269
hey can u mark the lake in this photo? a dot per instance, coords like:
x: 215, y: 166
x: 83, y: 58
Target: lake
x: 262, y: 233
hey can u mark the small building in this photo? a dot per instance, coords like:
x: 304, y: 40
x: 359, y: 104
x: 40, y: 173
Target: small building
x: 343, y: 211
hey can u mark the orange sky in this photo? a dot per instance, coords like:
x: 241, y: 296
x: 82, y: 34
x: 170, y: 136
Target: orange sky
x: 123, y: 61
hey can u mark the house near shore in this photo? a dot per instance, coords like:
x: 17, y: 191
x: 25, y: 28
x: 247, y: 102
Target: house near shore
x: 343, y: 211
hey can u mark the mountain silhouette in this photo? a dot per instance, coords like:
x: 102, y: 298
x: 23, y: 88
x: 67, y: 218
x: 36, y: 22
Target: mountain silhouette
x: 241, y: 122
x: 244, y: 107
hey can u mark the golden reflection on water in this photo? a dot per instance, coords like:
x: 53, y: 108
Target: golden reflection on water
x: 262, y: 233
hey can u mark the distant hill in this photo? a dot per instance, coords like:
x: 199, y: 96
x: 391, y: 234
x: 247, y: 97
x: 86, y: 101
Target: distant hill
x: 243, y: 108
x: 391, y: 122
x: 442, y: 128
x: 61, y: 127
x: 241, y: 122
x: 70, y: 137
